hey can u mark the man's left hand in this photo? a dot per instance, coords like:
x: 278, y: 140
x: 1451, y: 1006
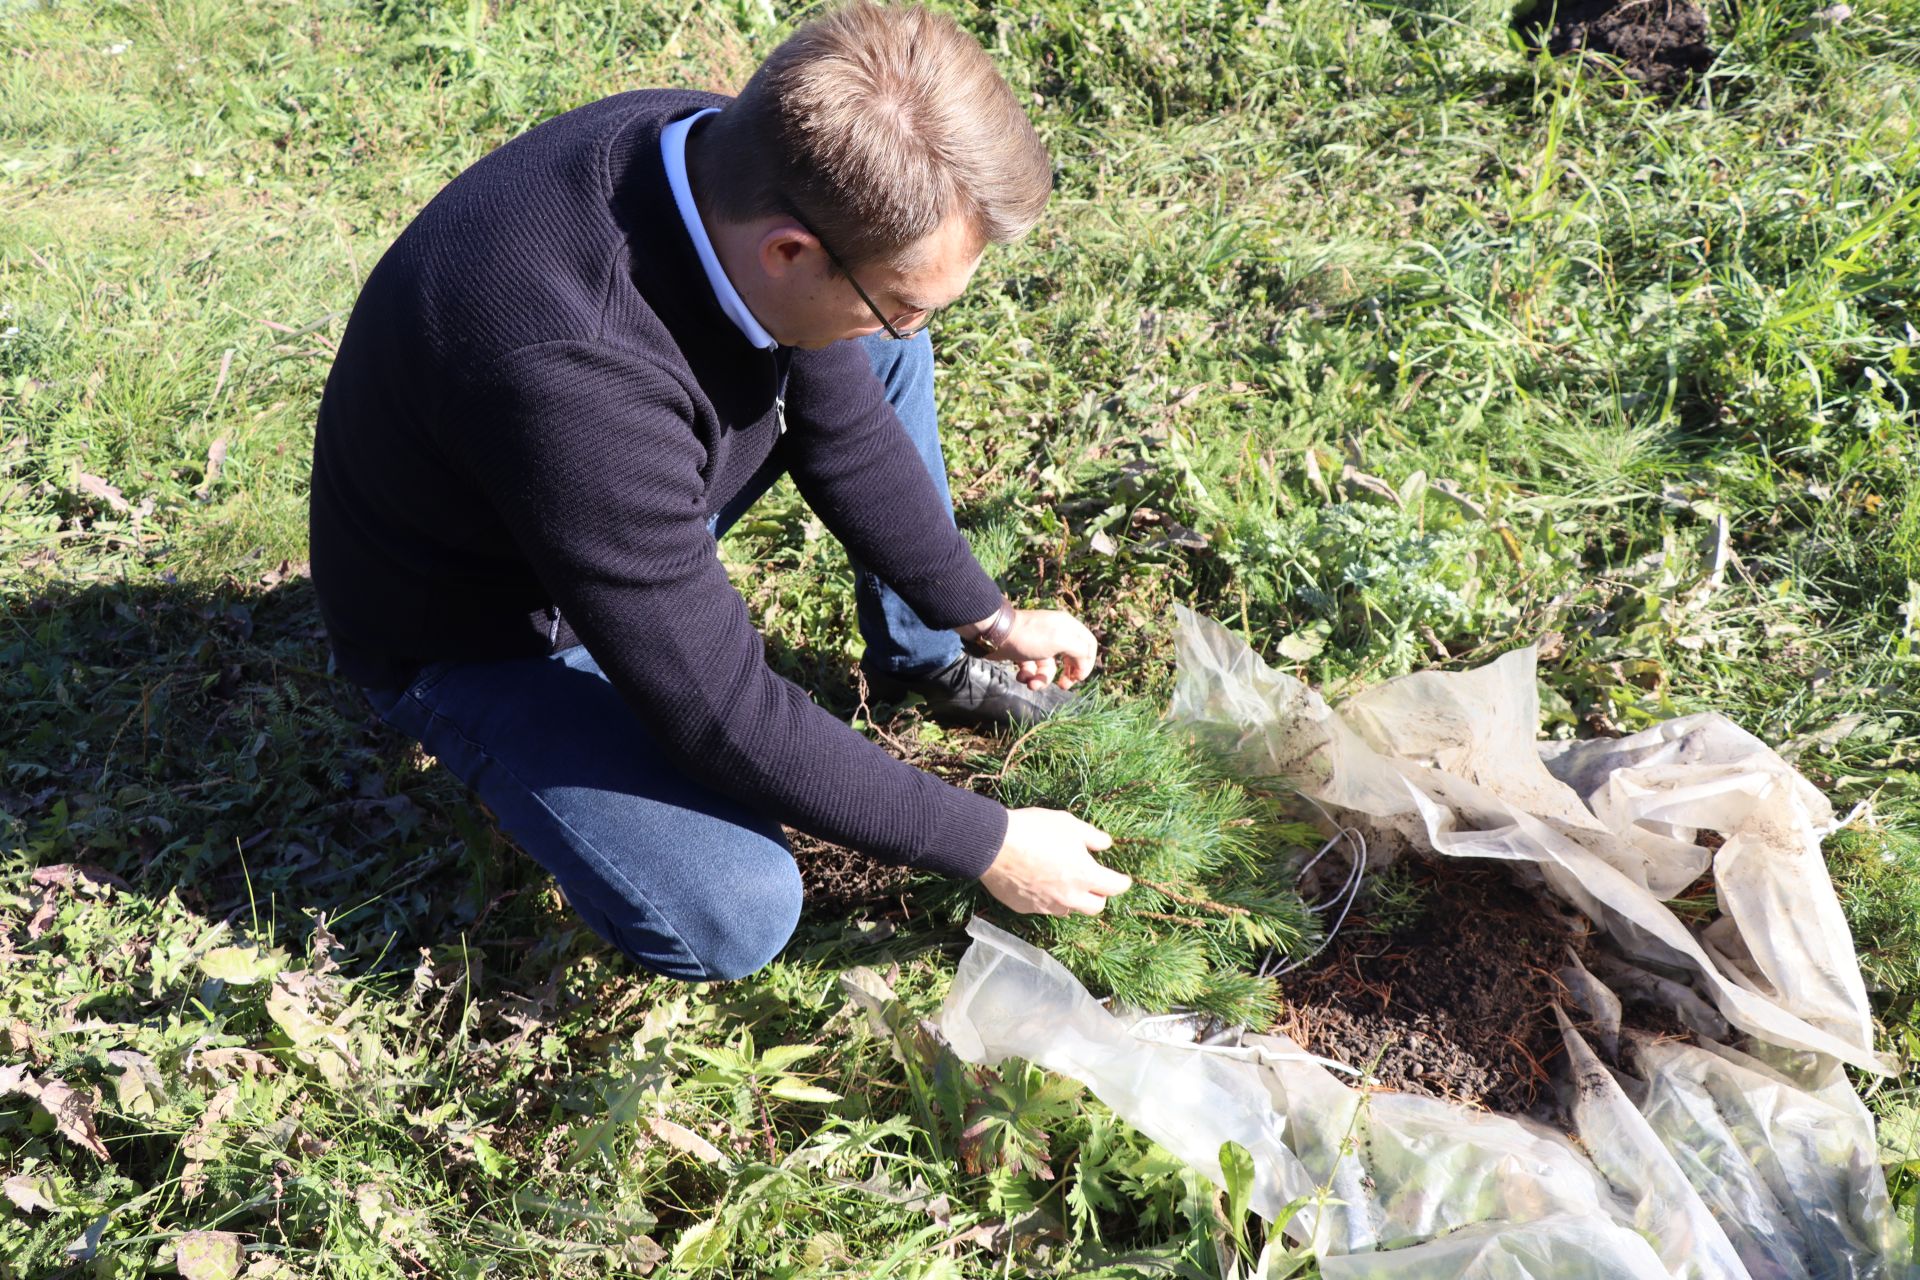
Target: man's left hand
x: 1050, y: 646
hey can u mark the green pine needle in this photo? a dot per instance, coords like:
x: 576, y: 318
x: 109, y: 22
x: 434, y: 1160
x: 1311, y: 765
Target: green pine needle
x: 1212, y: 865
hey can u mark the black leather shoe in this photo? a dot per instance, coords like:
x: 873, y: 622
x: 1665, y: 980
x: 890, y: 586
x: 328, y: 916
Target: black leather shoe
x: 973, y: 692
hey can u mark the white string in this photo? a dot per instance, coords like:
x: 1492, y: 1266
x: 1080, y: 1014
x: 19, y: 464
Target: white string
x: 1344, y: 897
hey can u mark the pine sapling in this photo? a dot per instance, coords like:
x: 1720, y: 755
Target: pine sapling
x: 1212, y: 865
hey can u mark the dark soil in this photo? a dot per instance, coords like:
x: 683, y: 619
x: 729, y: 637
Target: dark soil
x: 837, y: 879
x: 1457, y: 1004
x: 1661, y: 43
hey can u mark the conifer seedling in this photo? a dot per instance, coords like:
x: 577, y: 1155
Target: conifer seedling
x: 1212, y: 865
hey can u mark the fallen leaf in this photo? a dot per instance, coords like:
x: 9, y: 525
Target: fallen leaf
x: 138, y: 1086
x: 88, y: 879
x: 1184, y: 399
x: 1822, y: 19
x: 1178, y: 535
x: 681, y: 1138
x: 42, y: 918
x: 321, y: 944
x: 72, y: 1111
x: 24, y: 1041
x: 1314, y: 475
x: 1301, y: 646
x: 216, y: 458
x: 208, y: 1255
x: 1451, y: 490
x: 1355, y: 478
x: 381, y: 1213
x: 29, y: 1194
x: 202, y: 1143
x: 218, y: 1065
x: 317, y: 1040
x: 642, y: 1253
x: 915, y: 1195
x: 95, y: 487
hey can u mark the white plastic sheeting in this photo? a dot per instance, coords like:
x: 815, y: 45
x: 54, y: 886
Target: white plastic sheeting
x: 1689, y: 1161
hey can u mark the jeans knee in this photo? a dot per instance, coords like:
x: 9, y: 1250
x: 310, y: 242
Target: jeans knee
x: 748, y: 923
x: 900, y: 364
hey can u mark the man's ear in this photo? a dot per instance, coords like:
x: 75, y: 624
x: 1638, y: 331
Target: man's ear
x: 782, y: 247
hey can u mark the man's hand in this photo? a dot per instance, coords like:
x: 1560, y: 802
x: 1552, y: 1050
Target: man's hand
x: 1051, y: 646
x: 1045, y: 865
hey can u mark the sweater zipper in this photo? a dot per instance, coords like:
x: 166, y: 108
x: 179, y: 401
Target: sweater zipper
x: 779, y: 391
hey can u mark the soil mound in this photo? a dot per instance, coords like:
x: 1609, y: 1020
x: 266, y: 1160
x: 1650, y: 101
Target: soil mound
x: 1661, y: 43
x: 1456, y: 1003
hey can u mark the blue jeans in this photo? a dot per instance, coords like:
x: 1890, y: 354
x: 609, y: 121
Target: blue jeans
x: 898, y: 643
x: 684, y: 880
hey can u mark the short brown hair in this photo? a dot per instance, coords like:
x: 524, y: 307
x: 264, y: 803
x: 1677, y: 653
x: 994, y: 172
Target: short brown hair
x: 875, y: 124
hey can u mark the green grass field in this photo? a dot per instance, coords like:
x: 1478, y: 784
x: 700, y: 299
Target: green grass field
x: 1352, y: 323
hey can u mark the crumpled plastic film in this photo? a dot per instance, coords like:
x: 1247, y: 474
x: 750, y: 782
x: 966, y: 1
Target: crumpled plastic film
x: 1566, y: 1248
x: 1795, y: 1175
x: 1011, y: 999
x: 1459, y: 750
x: 1632, y: 1158
x: 1751, y: 1164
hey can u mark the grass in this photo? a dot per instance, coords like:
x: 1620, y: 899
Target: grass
x: 1350, y: 323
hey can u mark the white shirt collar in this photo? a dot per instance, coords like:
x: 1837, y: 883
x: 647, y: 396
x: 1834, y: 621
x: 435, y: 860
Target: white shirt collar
x: 673, y: 150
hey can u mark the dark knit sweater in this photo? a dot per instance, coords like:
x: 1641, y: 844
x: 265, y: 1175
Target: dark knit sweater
x: 537, y: 404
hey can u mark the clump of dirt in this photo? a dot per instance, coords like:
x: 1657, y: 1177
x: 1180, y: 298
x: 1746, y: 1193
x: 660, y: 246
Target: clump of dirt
x: 1662, y: 44
x: 1457, y: 1004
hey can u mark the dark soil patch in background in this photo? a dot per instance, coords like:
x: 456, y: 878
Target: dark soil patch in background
x: 1457, y: 1004
x: 1662, y: 44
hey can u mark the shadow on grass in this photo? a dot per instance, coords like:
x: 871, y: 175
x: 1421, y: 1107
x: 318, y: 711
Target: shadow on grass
x: 189, y: 739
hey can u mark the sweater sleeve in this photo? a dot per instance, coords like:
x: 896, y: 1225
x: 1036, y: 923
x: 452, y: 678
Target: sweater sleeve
x: 591, y: 457
x: 847, y: 447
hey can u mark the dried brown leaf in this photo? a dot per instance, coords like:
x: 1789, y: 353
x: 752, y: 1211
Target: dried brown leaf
x: 1355, y: 478
x: 94, y: 487
x: 202, y: 1143
x: 85, y: 877
x: 23, y: 1040
x: 220, y: 1065
x: 681, y: 1138
x: 42, y: 918
x: 72, y: 1113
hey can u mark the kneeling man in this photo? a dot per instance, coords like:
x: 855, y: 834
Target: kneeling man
x: 580, y: 363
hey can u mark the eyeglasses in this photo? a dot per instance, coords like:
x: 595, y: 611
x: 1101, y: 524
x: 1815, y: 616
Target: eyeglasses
x: 893, y: 330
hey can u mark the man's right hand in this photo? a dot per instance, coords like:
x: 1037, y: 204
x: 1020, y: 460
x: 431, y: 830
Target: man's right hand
x: 1046, y: 865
